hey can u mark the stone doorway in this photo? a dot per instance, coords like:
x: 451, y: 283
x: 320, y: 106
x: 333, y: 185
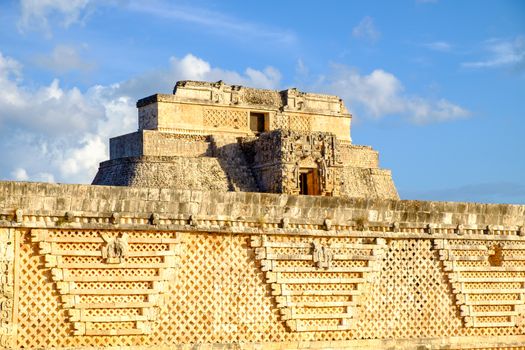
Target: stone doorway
x: 309, y: 182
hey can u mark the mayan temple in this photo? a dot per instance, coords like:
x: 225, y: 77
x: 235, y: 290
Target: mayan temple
x: 242, y: 218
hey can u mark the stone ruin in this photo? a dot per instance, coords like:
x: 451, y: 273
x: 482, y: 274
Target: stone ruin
x: 213, y: 136
x: 240, y: 218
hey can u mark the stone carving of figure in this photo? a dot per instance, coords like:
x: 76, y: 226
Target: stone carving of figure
x: 322, y: 255
x: 323, y: 173
x: 295, y: 177
x: 116, y: 247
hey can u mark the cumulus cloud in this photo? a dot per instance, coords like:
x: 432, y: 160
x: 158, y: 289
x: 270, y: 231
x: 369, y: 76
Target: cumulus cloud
x: 502, y: 53
x: 194, y: 68
x: 37, y: 14
x: 380, y: 94
x: 191, y: 67
x: 50, y: 133
x: 63, y: 59
x: 366, y: 30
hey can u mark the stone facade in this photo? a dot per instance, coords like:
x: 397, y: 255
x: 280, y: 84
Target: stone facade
x: 246, y: 219
x: 263, y: 141
x: 201, y: 270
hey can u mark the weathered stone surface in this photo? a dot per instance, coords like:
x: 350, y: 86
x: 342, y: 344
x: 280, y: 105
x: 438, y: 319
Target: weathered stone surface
x: 301, y: 133
x: 257, y: 270
x: 187, y: 253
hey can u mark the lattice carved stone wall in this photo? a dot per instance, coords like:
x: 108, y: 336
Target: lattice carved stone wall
x: 487, y: 278
x: 300, y: 122
x: 280, y: 121
x: 6, y: 287
x: 319, y: 284
x: 220, y: 295
x: 110, y: 283
x: 218, y: 117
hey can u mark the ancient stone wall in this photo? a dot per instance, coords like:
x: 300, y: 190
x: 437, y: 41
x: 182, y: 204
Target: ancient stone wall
x: 218, y: 108
x: 358, y: 156
x: 162, y: 144
x: 7, y: 287
x: 368, y: 183
x: 128, y: 145
x: 94, y: 266
x: 294, y: 133
x: 270, y: 162
x: 203, y: 173
x: 158, y: 144
x: 278, y: 157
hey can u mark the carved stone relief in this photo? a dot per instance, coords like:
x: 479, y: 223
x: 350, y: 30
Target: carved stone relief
x: 487, y: 279
x: 322, y: 255
x: 110, y: 283
x: 6, y: 287
x: 319, y: 285
x: 287, y: 152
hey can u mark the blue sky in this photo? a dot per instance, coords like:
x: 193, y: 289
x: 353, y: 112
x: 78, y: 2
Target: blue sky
x: 438, y: 87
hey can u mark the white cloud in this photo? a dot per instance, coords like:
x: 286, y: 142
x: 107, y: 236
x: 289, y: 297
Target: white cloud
x: 37, y: 14
x: 502, y: 52
x: 366, y: 30
x: 20, y: 174
x: 380, y: 94
x: 442, y: 46
x: 218, y: 22
x: 63, y: 59
x: 191, y: 67
x: 50, y: 133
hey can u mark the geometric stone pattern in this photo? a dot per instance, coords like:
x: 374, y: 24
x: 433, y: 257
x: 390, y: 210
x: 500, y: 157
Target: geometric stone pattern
x: 219, y: 295
x: 487, y: 278
x: 320, y: 284
x: 216, y: 117
x: 110, y: 283
x: 300, y: 123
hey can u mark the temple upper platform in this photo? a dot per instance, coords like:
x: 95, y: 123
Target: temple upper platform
x: 215, y: 136
x: 219, y: 108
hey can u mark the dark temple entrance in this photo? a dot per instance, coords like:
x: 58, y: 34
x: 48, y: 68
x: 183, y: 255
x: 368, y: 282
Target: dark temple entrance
x: 309, y: 182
